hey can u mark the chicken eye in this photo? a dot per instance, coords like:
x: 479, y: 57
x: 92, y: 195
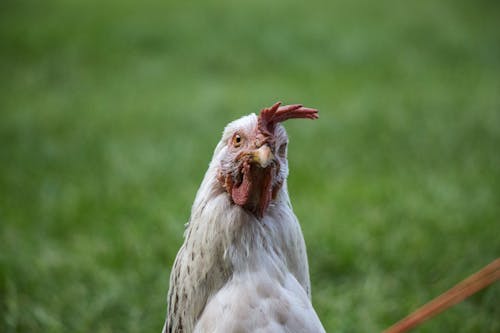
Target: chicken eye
x: 282, y: 150
x: 237, y: 140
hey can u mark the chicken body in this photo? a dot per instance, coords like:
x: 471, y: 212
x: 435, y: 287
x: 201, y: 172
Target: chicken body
x: 243, y: 265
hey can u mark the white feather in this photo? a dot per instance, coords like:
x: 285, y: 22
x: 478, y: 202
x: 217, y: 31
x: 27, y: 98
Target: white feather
x: 236, y: 273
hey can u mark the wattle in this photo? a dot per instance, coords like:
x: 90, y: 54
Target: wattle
x: 254, y: 193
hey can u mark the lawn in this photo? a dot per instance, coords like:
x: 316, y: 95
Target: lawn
x: 110, y: 111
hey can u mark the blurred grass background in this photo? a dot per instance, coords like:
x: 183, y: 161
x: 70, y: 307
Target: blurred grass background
x: 110, y: 111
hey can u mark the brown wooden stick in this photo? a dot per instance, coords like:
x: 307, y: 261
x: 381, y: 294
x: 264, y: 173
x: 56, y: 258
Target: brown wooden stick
x: 486, y: 276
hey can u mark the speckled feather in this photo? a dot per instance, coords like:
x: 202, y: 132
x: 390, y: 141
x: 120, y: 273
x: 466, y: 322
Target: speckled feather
x: 235, y: 272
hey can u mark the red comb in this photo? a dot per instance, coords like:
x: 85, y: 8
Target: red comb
x: 269, y: 117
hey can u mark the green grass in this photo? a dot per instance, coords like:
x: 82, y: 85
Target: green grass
x: 109, y: 112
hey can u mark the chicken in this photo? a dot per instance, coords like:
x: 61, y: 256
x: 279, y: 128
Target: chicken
x: 243, y: 265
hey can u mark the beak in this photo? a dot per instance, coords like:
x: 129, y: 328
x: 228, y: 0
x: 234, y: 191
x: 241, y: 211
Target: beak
x: 263, y: 156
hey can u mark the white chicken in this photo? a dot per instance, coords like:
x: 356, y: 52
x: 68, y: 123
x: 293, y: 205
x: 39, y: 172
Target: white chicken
x: 243, y: 265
